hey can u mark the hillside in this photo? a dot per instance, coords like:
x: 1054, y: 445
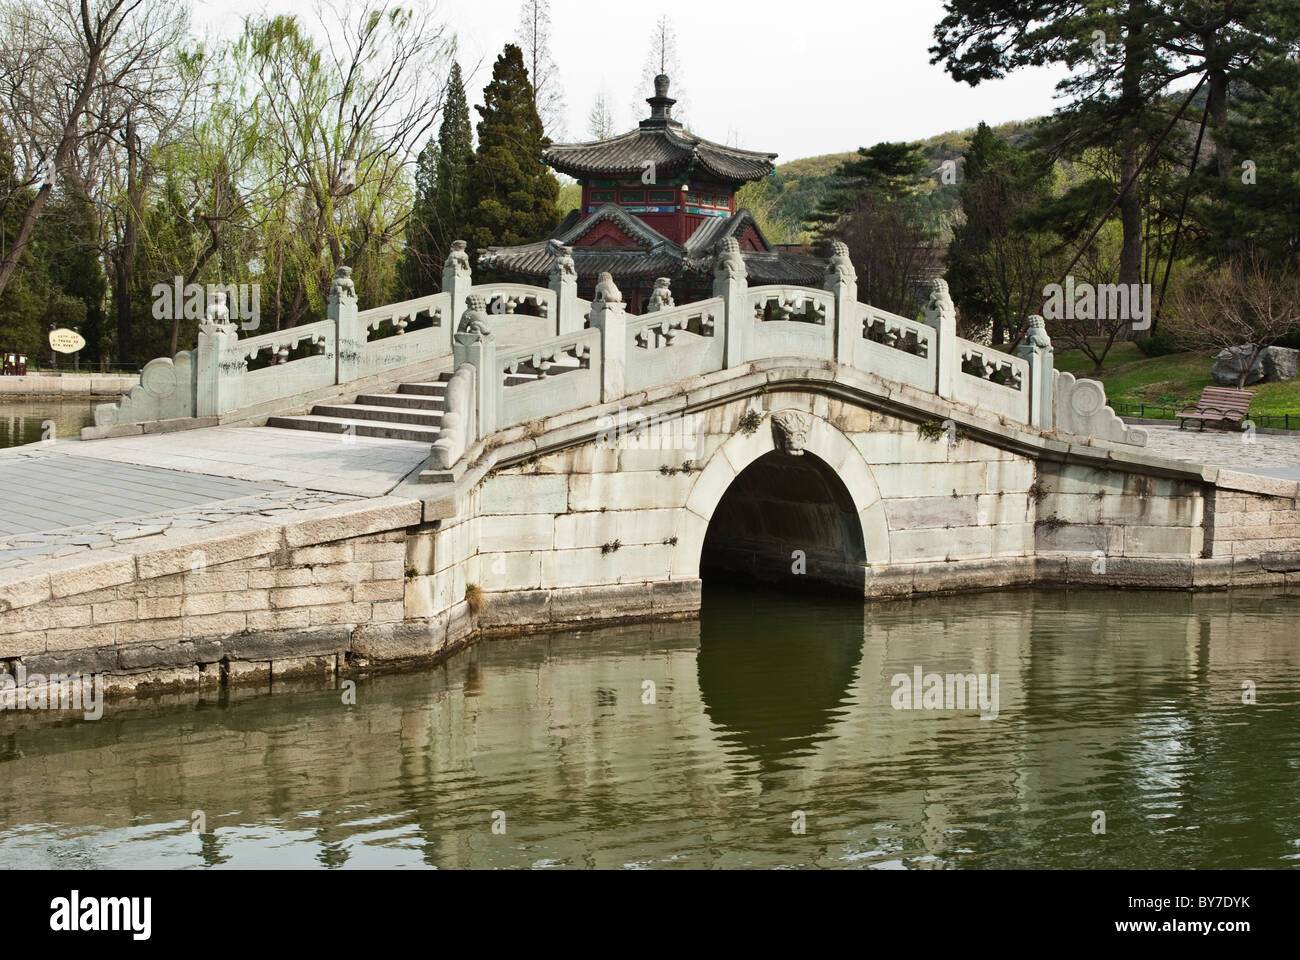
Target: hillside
x: 784, y: 200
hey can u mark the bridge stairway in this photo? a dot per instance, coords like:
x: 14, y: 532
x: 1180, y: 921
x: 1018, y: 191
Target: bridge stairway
x: 414, y: 412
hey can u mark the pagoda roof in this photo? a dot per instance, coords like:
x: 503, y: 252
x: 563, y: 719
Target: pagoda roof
x: 670, y: 149
x: 653, y: 255
x: 663, y: 141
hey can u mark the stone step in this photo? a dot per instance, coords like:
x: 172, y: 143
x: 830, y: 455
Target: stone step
x: 363, y: 411
x: 436, y: 389
x: 360, y: 428
x: 413, y: 401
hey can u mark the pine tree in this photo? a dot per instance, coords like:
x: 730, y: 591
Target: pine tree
x: 997, y: 264
x: 441, y: 202
x: 512, y: 193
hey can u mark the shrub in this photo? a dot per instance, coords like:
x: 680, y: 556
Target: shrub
x: 1159, y: 344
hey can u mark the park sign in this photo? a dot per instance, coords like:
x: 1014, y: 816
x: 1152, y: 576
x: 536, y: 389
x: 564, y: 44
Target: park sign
x: 66, y: 341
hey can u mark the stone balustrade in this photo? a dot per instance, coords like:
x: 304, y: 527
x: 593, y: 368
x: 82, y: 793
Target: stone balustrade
x: 538, y: 351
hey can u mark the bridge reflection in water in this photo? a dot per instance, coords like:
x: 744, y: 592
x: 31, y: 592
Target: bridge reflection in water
x: 1130, y: 703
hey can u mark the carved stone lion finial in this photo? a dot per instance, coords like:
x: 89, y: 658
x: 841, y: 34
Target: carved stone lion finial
x: 790, y: 431
x: 661, y: 297
x: 218, y: 312
x: 1037, y: 334
x: 343, y: 287
x: 940, y: 306
x: 729, y: 264
x: 563, y: 265
x: 473, y: 322
x: 840, y: 268
x: 458, y: 259
x: 607, y: 290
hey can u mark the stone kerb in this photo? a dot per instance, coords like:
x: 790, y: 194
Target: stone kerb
x: 822, y: 440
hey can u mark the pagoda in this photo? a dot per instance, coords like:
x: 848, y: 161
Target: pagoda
x: 657, y: 202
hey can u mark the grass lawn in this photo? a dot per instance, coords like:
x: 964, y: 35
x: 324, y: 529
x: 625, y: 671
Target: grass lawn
x: 1171, y: 381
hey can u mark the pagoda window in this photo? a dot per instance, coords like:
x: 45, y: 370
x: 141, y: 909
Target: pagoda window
x: 631, y: 196
x: 602, y: 196
x: 662, y: 196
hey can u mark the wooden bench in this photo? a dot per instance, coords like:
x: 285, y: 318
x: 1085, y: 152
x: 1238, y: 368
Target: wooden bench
x: 1218, y: 405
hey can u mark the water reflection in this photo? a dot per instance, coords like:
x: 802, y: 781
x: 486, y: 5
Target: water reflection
x: 773, y: 678
x: 1127, y: 703
x: 27, y: 421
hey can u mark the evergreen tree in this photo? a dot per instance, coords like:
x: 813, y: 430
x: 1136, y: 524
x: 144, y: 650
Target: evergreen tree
x: 23, y: 300
x: 441, y: 195
x: 997, y: 263
x: 512, y: 194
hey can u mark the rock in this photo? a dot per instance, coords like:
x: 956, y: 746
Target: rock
x: 1279, y: 363
x: 1228, y: 364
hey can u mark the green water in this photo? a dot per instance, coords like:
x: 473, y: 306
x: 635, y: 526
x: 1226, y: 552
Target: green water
x: 1121, y: 702
x: 27, y: 421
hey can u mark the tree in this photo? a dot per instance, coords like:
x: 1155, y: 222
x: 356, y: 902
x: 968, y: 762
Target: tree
x: 72, y: 71
x: 441, y: 195
x: 600, y: 119
x: 874, y: 208
x: 1240, y: 307
x: 534, y: 36
x: 512, y: 193
x: 342, y: 124
x: 1122, y: 55
x: 997, y: 265
x: 661, y: 58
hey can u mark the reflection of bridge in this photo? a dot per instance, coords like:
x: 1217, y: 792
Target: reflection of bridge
x: 570, y: 462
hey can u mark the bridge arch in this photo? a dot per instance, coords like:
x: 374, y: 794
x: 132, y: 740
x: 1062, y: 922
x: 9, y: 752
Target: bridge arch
x: 794, y: 484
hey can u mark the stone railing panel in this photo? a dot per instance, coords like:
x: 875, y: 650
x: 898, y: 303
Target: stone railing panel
x: 896, y: 348
x: 671, y: 344
x: 789, y: 321
x: 1080, y: 408
x: 548, y: 378
x: 1004, y: 387
x: 282, y: 377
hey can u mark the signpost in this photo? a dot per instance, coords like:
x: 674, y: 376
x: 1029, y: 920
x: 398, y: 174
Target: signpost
x: 63, y: 340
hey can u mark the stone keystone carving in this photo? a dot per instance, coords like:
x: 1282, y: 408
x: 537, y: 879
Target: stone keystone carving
x: 343, y: 287
x: 563, y: 265
x: 729, y: 264
x: 1037, y: 334
x: 940, y: 306
x: 840, y: 268
x: 661, y: 298
x: 790, y: 431
x: 607, y: 290
x: 473, y: 322
x: 458, y: 259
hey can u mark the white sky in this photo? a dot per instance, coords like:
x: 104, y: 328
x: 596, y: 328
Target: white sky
x: 801, y: 79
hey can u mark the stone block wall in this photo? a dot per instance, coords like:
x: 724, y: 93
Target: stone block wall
x: 258, y: 603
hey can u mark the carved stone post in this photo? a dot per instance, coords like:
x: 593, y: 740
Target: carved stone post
x: 564, y: 281
x: 456, y: 280
x: 609, y: 316
x: 474, y: 343
x: 349, y: 337
x: 661, y: 298
x: 219, y: 371
x: 942, y: 315
x: 1036, y: 348
x: 842, y: 282
x: 730, y: 283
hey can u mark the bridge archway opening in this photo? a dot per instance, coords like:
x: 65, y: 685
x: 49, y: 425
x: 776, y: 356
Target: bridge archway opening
x: 786, y: 521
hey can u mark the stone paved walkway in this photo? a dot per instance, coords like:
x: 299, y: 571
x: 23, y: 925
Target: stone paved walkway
x: 70, y: 496
x: 1270, y: 455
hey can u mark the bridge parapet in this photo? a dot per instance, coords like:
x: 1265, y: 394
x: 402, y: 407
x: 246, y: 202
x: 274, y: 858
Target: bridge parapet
x: 539, y: 351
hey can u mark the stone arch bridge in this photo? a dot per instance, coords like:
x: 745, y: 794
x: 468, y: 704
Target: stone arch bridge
x: 583, y: 464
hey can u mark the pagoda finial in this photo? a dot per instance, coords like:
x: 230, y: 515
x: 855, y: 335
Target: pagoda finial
x: 661, y: 105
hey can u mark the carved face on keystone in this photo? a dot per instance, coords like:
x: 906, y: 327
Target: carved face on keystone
x: 790, y: 431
